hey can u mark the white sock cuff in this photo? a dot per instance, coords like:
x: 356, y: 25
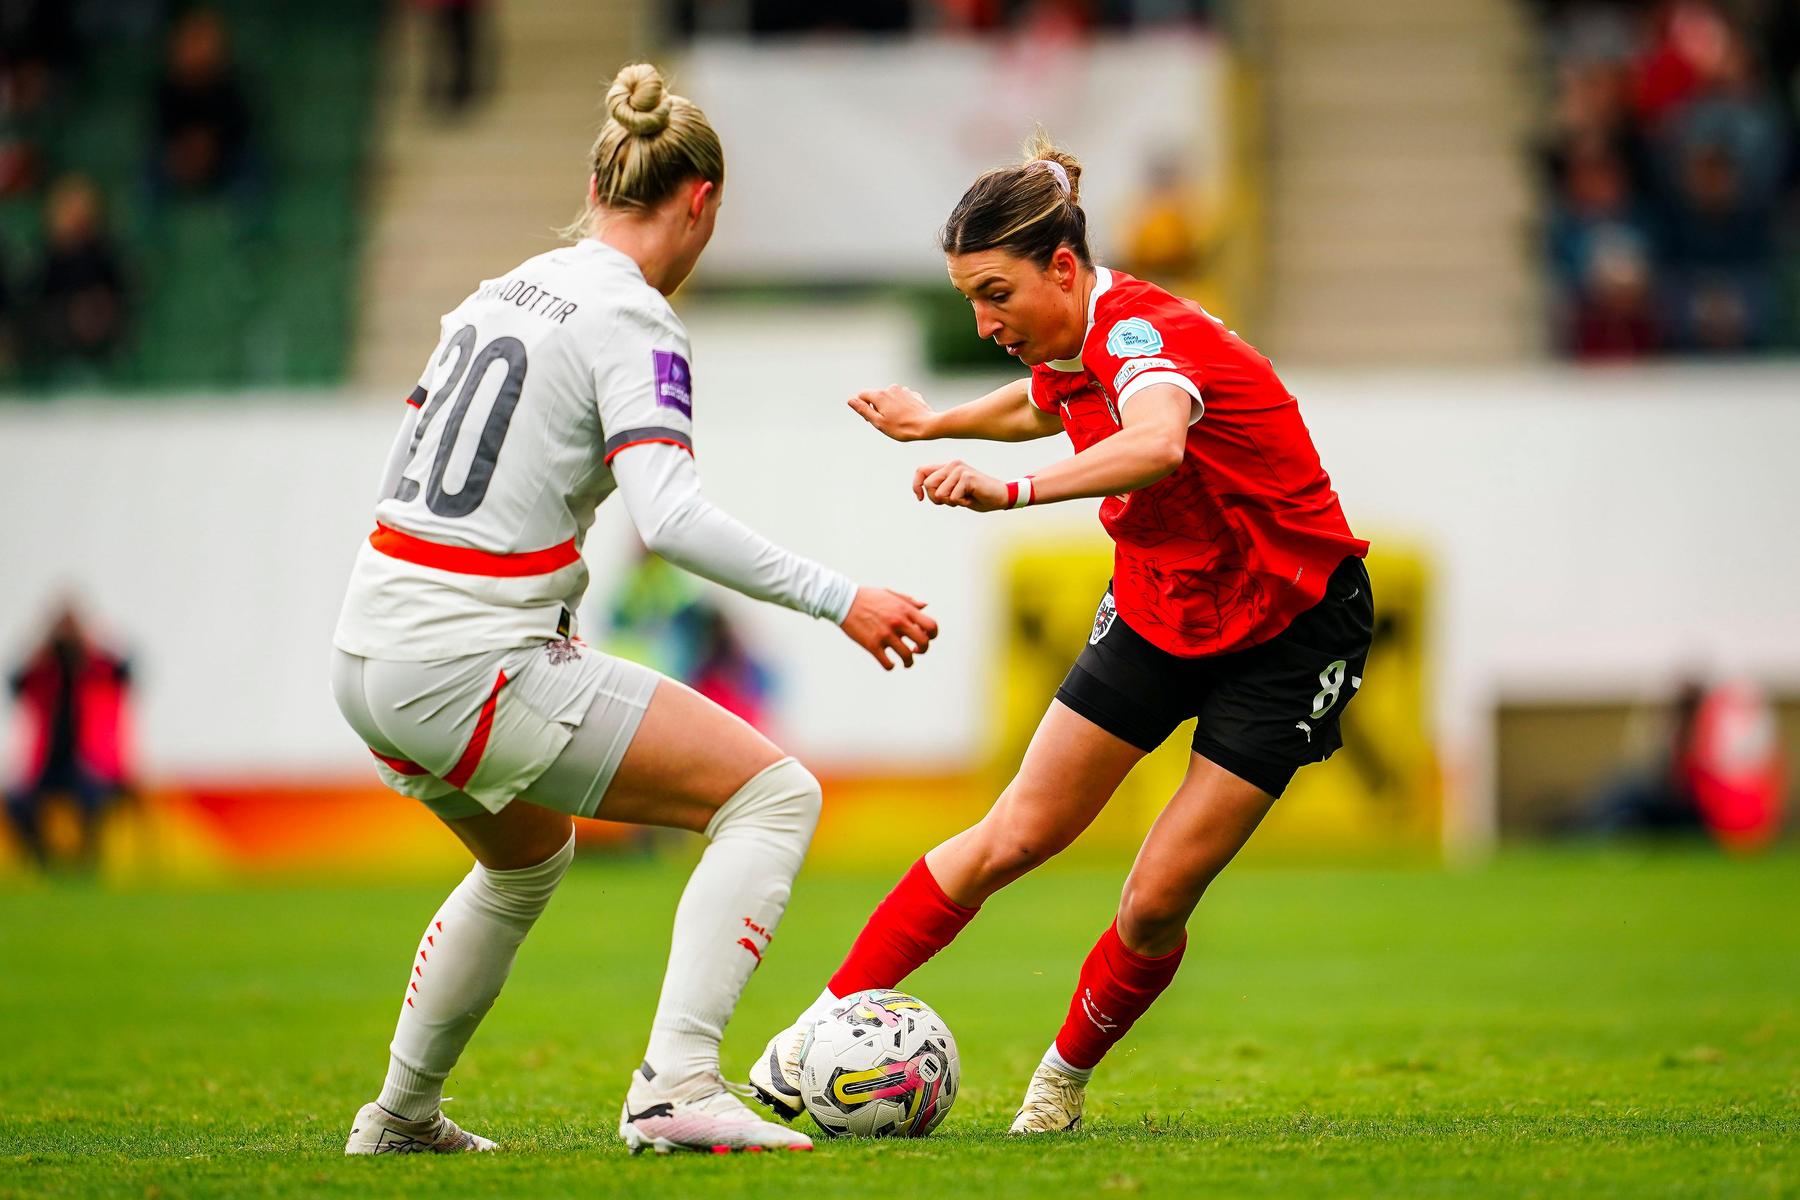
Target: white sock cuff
x: 1054, y: 1059
x: 824, y: 1004
x: 783, y: 798
x: 523, y: 893
x: 551, y: 868
x: 410, y: 1093
x: 542, y: 876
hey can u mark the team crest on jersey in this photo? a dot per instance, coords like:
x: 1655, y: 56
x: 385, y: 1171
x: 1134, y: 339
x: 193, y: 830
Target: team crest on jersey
x: 1103, y: 619
x: 674, y: 382
x: 1133, y: 337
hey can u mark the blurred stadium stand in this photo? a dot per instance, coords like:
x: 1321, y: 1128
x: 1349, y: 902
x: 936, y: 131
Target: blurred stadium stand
x: 230, y: 289
x: 1397, y: 197
x: 455, y: 202
x: 1671, y: 189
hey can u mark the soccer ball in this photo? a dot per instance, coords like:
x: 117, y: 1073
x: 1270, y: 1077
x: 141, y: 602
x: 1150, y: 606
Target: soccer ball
x: 882, y: 1064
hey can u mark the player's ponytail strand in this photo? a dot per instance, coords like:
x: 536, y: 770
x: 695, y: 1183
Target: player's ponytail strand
x: 653, y: 142
x: 1030, y: 210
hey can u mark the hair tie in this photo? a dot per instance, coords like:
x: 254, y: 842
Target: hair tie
x: 1056, y: 170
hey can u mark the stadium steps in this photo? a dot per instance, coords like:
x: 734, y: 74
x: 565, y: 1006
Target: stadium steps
x: 1399, y: 204
x: 456, y: 202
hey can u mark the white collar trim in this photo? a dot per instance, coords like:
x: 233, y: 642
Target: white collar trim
x: 1102, y: 280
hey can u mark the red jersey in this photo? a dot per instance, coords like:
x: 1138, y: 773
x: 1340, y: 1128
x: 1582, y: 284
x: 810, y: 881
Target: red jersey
x: 1241, y: 538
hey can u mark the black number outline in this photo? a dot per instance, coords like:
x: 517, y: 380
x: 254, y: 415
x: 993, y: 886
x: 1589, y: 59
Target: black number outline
x: 464, y: 345
x: 511, y: 351
x: 487, y: 451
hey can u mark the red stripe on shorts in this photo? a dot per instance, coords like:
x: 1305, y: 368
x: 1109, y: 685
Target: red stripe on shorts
x: 484, y: 725
x: 466, y: 560
x: 404, y: 766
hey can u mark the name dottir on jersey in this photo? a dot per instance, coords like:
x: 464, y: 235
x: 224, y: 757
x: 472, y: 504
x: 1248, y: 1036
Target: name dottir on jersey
x: 1133, y: 337
x: 530, y: 296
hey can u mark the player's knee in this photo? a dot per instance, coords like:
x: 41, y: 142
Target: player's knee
x: 1153, y: 916
x: 522, y: 892
x: 782, y: 801
x: 1008, y: 854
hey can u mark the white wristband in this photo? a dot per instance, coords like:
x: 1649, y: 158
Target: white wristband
x: 1021, y: 492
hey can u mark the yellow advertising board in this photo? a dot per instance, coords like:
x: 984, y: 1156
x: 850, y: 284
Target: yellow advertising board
x: 1381, y: 791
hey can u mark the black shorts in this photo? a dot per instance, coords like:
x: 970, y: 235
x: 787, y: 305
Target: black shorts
x: 1263, y: 712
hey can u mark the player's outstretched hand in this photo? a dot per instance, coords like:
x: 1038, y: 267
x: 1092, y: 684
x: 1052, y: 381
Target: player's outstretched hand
x: 897, y: 411
x: 959, y: 485
x: 880, y: 621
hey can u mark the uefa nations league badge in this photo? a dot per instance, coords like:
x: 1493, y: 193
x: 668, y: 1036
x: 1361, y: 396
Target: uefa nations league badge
x: 1133, y: 337
x: 1103, y: 619
x: 673, y: 382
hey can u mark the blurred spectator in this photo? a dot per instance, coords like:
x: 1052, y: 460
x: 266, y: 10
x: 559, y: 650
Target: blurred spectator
x: 204, y: 136
x: 788, y: 17
x: 1595, y: 206
x: 77, y: 302
x: 659, y: 618
x: 1613, y: 314
x: 1666, y: 166
x: 725, y: 672
x: 456, y: 73
x: 1718, y: 767
x: 1164, y: 241
x: 1720, y: 255
x: 1658, y: 797
x: 646, y: 619
x: 9, y: 318
x: 37, y: 48
x: 1686, y: 42
x: 74, y: 717
x: 1737, y: 769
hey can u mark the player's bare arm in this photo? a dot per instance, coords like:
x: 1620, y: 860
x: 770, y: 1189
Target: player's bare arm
x: 1147, y: 448
x: 1005, y: 414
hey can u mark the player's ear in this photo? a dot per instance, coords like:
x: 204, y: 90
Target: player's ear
x: 697, y: 199
x: 1065, y: 268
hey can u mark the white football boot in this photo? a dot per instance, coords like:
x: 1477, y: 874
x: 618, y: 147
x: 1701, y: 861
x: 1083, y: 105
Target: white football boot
x: 1052, y: 1102
x: 775, y: 1077
x: 715, y: 1122
x: 378, y: 1131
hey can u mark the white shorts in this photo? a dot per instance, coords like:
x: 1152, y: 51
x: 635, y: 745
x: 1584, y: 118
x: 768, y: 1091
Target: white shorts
x: 469, y: 734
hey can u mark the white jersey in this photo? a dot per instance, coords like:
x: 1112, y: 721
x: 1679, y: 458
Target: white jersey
x: 538, y: 382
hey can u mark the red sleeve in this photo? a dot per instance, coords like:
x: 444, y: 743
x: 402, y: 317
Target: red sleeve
x: 1136, y: 344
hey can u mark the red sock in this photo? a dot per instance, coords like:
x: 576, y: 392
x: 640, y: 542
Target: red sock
x: 1117, y: 986
x: 914, y: 922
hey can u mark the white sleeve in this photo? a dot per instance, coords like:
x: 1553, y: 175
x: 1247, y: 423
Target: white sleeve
x: 661, y: 489
x: 643, y: 382
x: 401, y: 451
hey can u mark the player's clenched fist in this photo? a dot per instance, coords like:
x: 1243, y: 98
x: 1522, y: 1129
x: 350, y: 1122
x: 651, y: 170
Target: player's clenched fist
x: 880, y: 620
x: 897, y: 411
x: 958, y: 484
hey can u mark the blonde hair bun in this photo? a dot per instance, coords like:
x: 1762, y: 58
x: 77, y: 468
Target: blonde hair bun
x: 638, y: 101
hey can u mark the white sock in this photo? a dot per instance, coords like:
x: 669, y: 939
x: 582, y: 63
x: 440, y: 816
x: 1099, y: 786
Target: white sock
x: 1055, y: 1060
x: 727, y: 914
x: 462, y: 960
x: 823, y: 1005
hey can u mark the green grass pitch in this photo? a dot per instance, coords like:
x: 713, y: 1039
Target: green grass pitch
x: 1573, y: 1023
